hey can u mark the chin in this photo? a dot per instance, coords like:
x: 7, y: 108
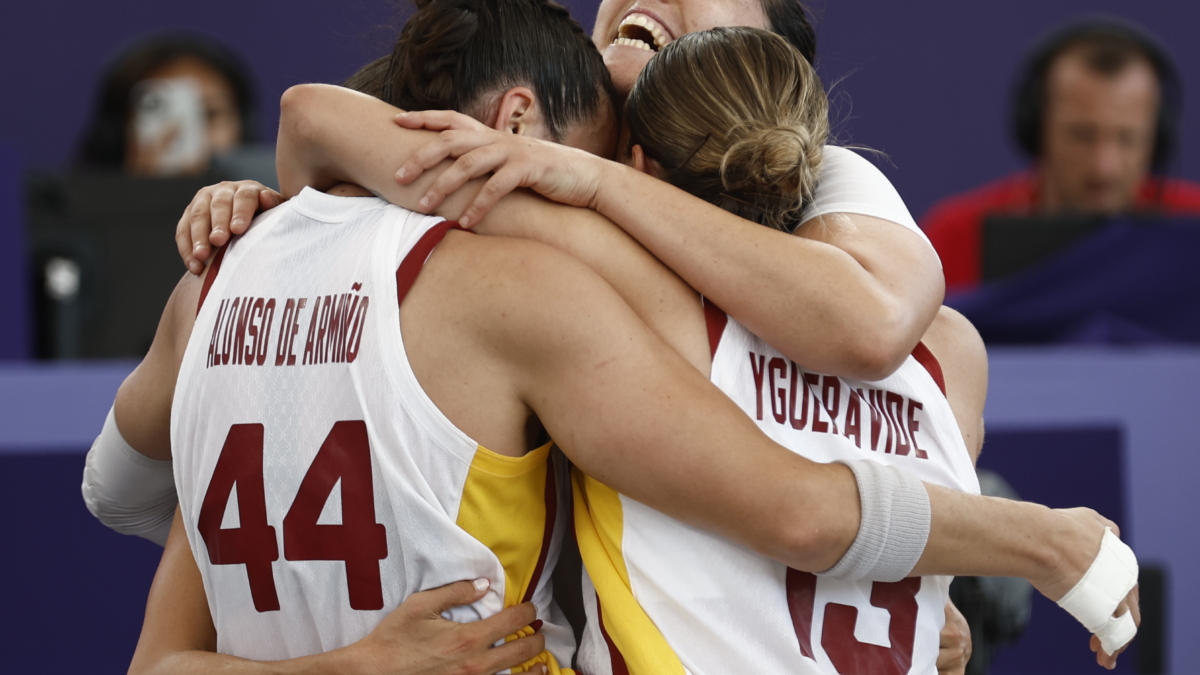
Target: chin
x: 625, y: 64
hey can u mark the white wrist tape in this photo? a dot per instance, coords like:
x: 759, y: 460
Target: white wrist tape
x: 895, y: 525
x: 1112, y: 575
x: 126, y: 490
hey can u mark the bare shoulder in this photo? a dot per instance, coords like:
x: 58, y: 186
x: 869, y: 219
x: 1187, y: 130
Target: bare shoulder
x: 511, y: 281
x: 961, y: 352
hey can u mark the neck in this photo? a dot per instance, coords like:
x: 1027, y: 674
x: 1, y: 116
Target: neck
x: 349, y: 190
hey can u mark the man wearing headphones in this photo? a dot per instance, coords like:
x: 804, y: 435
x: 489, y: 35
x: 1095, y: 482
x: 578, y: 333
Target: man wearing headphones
x: 1097, y: 109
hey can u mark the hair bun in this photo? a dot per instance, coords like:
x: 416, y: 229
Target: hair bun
x: 773, y: 168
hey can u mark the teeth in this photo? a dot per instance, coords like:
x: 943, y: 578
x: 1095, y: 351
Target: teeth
x: 630, y: 42
x: 661, y: 37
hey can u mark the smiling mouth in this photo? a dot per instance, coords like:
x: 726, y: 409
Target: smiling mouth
x: 642, y: 32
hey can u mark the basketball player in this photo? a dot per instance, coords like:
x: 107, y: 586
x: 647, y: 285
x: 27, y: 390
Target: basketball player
x: 858, y: 291
x: 626, y: 409
x: 721, y: 645
x: 976, y: 416
x: 743, y: 458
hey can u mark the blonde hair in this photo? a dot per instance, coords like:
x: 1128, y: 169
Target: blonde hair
x: 737, y: 117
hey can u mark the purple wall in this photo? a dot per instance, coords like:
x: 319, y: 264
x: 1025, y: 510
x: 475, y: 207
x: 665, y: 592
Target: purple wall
x: 15, y: 312
x: 925, y: 82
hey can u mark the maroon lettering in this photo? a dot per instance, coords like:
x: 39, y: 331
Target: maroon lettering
x: 818, y: 425
x: 319, y: 353
x: 310, y: 343
x: 876, y: 419
x: 212, y: 343
x: 829, y: 383
x: 291, y: 343
x: 853, y: 411
x: 285, y: 323
x: 350, y: 309
x: 227, y: 334
x: 894, y: 408
x: 914, y: 426
x: 360, y: 322
x: 757, y: 366
x: 803, y: 397
x: 778, y: 394
x: 264, y: 342
x: 335, y: 328
x: 252, y: 330
x: 239, y: 333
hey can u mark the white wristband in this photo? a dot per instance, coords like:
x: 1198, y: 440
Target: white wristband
x: 1112, y: 575
x: 894, y: 528
x: 126, y: 490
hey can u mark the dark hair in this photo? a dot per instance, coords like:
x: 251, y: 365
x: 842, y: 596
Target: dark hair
x: 1110, y: 45
x: 453, y: 53
x: 789, y: 19
x: 736, y: 117
x: 104, y: 141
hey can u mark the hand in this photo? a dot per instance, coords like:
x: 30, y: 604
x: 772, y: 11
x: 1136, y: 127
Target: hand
x: 555, y: 171
x: 955, y: 648
x: 1130, y: 604
x: 415, y: 639
x: 216, y: 213
x: 1084, y: 528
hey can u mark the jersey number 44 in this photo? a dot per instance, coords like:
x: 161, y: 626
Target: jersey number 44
x: 359, y: 541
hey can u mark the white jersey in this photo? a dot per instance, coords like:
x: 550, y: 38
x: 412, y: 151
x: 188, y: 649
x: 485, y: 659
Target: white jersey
x: 668, y: 598
x: 319, y: 485
x: 848, y: 183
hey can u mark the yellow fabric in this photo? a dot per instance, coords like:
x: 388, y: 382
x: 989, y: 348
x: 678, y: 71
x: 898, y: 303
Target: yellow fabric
x: 504, y: 507
x: 599, y: 522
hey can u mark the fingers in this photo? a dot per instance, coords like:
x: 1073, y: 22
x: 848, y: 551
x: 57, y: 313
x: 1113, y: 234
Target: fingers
x: 269, y: 199
x: 216, y: 231
x: 505, y: 181
x: 183, y: 240
x: 469, y: 166
x: 511, y: 654
x: 439, y: 120
x: 448, y: 144
x: 1134, y: 600
x: 504, y: 623
x: 198, y: 225
x: 438, y: 600
x: 245, y: 204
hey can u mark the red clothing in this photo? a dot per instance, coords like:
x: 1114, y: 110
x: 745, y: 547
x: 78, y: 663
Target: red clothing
x: 955, y: 224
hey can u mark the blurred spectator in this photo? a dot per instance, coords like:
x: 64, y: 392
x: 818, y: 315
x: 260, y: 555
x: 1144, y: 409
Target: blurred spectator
x: 1097, y: 108
x: 168, y: 105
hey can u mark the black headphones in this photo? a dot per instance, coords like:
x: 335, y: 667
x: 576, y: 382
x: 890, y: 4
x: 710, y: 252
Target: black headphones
x: 1029, y: 96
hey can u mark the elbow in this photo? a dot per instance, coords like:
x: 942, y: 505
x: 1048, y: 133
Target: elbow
x: 807, y: 544
x: 880, y: 351
x: 295, y: 120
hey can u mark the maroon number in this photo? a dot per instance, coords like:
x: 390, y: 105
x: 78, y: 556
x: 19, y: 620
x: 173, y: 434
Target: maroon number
x: 252, y: 543
x: 848, y: 655
x: 359, y: 540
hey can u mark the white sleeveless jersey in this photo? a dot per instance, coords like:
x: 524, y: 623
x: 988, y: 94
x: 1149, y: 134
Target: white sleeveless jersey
x: 319, y: 485
x: 667, y: 598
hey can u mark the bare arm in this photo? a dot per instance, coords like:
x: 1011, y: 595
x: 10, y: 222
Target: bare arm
x: 143, y: 403
x: 318, y: 146
x: 851, y: 296
x: 963, y: 357
x: 633, y: 415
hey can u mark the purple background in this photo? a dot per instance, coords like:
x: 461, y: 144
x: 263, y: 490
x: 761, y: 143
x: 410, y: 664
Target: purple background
x: 925, y: 82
